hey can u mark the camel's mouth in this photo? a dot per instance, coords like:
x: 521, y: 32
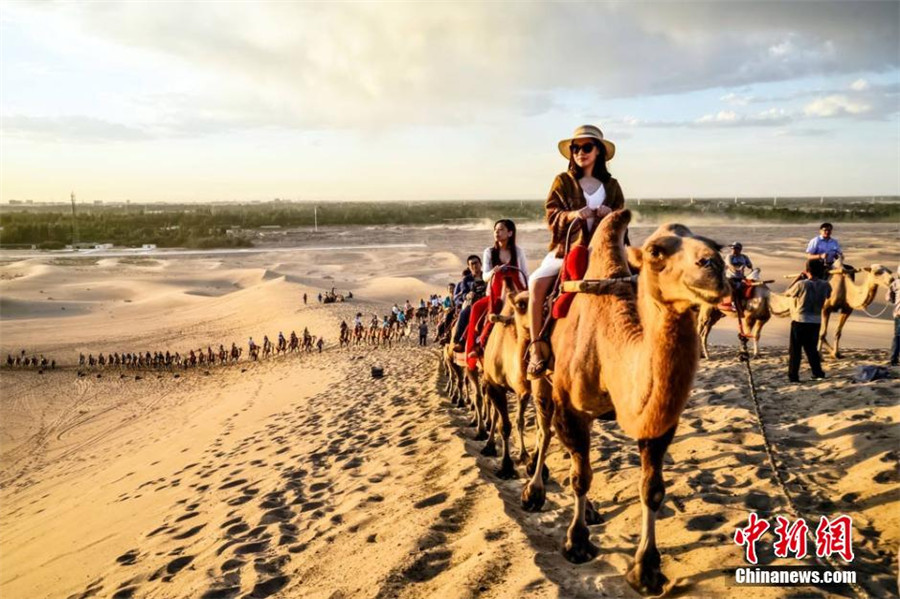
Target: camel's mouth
x: 708, y: 296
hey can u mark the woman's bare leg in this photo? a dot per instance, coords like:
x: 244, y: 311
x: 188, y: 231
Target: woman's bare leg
x: 538, y: 290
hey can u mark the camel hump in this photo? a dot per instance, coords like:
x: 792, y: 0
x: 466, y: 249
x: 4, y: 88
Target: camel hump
x: 612, y: 228
x: 674, y: 229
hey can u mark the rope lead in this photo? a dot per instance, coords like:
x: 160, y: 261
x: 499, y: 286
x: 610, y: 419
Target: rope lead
x: 744, y: 356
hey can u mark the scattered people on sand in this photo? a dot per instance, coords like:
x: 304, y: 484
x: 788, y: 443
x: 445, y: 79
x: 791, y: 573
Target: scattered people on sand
x: 319, y: 344
x: 320, y: 297
x: 893, y: 297
x: 579, y: 199
x: 809, y: 293
x: 824, y: 247
x: 304, y: 299
x: 503, y: 262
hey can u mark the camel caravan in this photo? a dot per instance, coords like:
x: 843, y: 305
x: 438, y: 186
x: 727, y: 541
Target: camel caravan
x: 192, y: 358
x: 33, y: 362
x: 404, y: 323
x: 603, y: 330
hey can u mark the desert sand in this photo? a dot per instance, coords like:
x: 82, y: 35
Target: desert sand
x: 301, y: 476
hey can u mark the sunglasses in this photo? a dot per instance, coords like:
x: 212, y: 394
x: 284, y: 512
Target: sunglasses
x: 587, y: 148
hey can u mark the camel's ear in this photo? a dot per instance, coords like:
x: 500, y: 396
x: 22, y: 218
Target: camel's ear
x: 635, y: 259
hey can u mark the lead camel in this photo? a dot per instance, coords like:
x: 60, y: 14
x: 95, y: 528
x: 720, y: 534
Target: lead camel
x: 634, y: 352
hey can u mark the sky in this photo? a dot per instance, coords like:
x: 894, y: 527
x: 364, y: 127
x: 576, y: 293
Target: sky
x: 207, y: 101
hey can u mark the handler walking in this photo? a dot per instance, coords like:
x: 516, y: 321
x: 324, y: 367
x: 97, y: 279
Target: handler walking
x: 809, y: 293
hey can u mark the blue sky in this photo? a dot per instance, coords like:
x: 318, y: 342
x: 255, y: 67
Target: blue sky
x: 368, y: 101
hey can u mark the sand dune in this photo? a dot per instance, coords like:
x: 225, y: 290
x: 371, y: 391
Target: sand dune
x: 301, y: 476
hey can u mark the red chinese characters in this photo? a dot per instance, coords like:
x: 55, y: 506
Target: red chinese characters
x: 835, y: 537
x: 791, y: 538
x: 749, y: 535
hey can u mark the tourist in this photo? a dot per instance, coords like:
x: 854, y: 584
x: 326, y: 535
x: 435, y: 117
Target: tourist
x: 584, y: 191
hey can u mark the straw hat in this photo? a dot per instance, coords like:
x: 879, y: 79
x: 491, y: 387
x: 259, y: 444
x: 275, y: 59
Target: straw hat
x: 591, y: 132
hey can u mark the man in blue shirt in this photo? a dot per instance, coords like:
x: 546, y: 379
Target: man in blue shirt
x: 824, y: 247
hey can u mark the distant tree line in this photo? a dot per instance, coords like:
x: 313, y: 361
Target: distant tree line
x: 211, y: 226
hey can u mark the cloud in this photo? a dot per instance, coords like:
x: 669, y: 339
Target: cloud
x: 376, y: 66
x: 736, y: 99
x: 69, y: 128
x: 859, y: 85
x: 835, y: 105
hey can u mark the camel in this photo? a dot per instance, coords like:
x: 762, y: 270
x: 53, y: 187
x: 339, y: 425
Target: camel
x: 845, y: 297
x: 756, y: 313
x: 504, y: 370
x: 344, y: 338
x: 633, y: 352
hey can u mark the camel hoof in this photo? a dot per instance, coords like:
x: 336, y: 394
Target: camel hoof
x: 591, y: 516
x: 533, y: 498
x: 489, y: 450
x: 580, y: 552
x: 646, y: 581
x: 507, y: 471
x: 481, y: 436
x: 472, y: 424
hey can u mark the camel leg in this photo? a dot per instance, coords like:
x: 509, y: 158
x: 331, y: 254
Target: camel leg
x: 533, y: 495
x: 836, y: 352
x: 823, y: 335
x: 645, y: 575
x: 520, y: 425
x: 490, y: 446
x: 501, y: 418
x: 574, y: 431
x: 703, y: 329
x: 480, y: 416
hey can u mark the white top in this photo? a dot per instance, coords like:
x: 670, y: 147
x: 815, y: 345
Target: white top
x: 594, y: 201
x: 488, y: 265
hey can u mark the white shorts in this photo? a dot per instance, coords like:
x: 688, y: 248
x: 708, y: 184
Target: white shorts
x: 550, y: 267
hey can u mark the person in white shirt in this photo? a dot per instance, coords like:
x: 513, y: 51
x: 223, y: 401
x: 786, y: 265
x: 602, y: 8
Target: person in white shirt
x: 504, y: 261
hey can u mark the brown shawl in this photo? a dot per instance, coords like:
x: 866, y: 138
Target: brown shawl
x: 566, y: 195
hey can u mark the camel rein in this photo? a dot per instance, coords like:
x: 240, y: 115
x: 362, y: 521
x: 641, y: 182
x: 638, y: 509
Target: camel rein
x: 744, y: 356
x: 865, y: 309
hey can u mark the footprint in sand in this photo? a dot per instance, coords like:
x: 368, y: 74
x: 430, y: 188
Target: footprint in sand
x: 129, y: 558
x: 430, y: 501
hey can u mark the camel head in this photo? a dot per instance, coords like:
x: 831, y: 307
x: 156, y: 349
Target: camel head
x: 879, y: 274
x: 680, y: 269
x: 518, y: 301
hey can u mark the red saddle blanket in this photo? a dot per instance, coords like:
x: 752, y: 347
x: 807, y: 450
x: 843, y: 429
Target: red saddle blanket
x: 574, y: 266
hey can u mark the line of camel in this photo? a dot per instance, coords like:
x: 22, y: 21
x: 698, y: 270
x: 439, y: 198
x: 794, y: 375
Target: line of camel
x: 628, y: 354
x: 167, y: 360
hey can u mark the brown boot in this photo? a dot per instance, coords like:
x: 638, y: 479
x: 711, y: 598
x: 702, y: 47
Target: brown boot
x: 539, y: 356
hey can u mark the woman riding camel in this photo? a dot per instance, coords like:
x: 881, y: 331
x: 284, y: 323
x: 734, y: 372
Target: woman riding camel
x: 501, y: 262
x: 585, y: 191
